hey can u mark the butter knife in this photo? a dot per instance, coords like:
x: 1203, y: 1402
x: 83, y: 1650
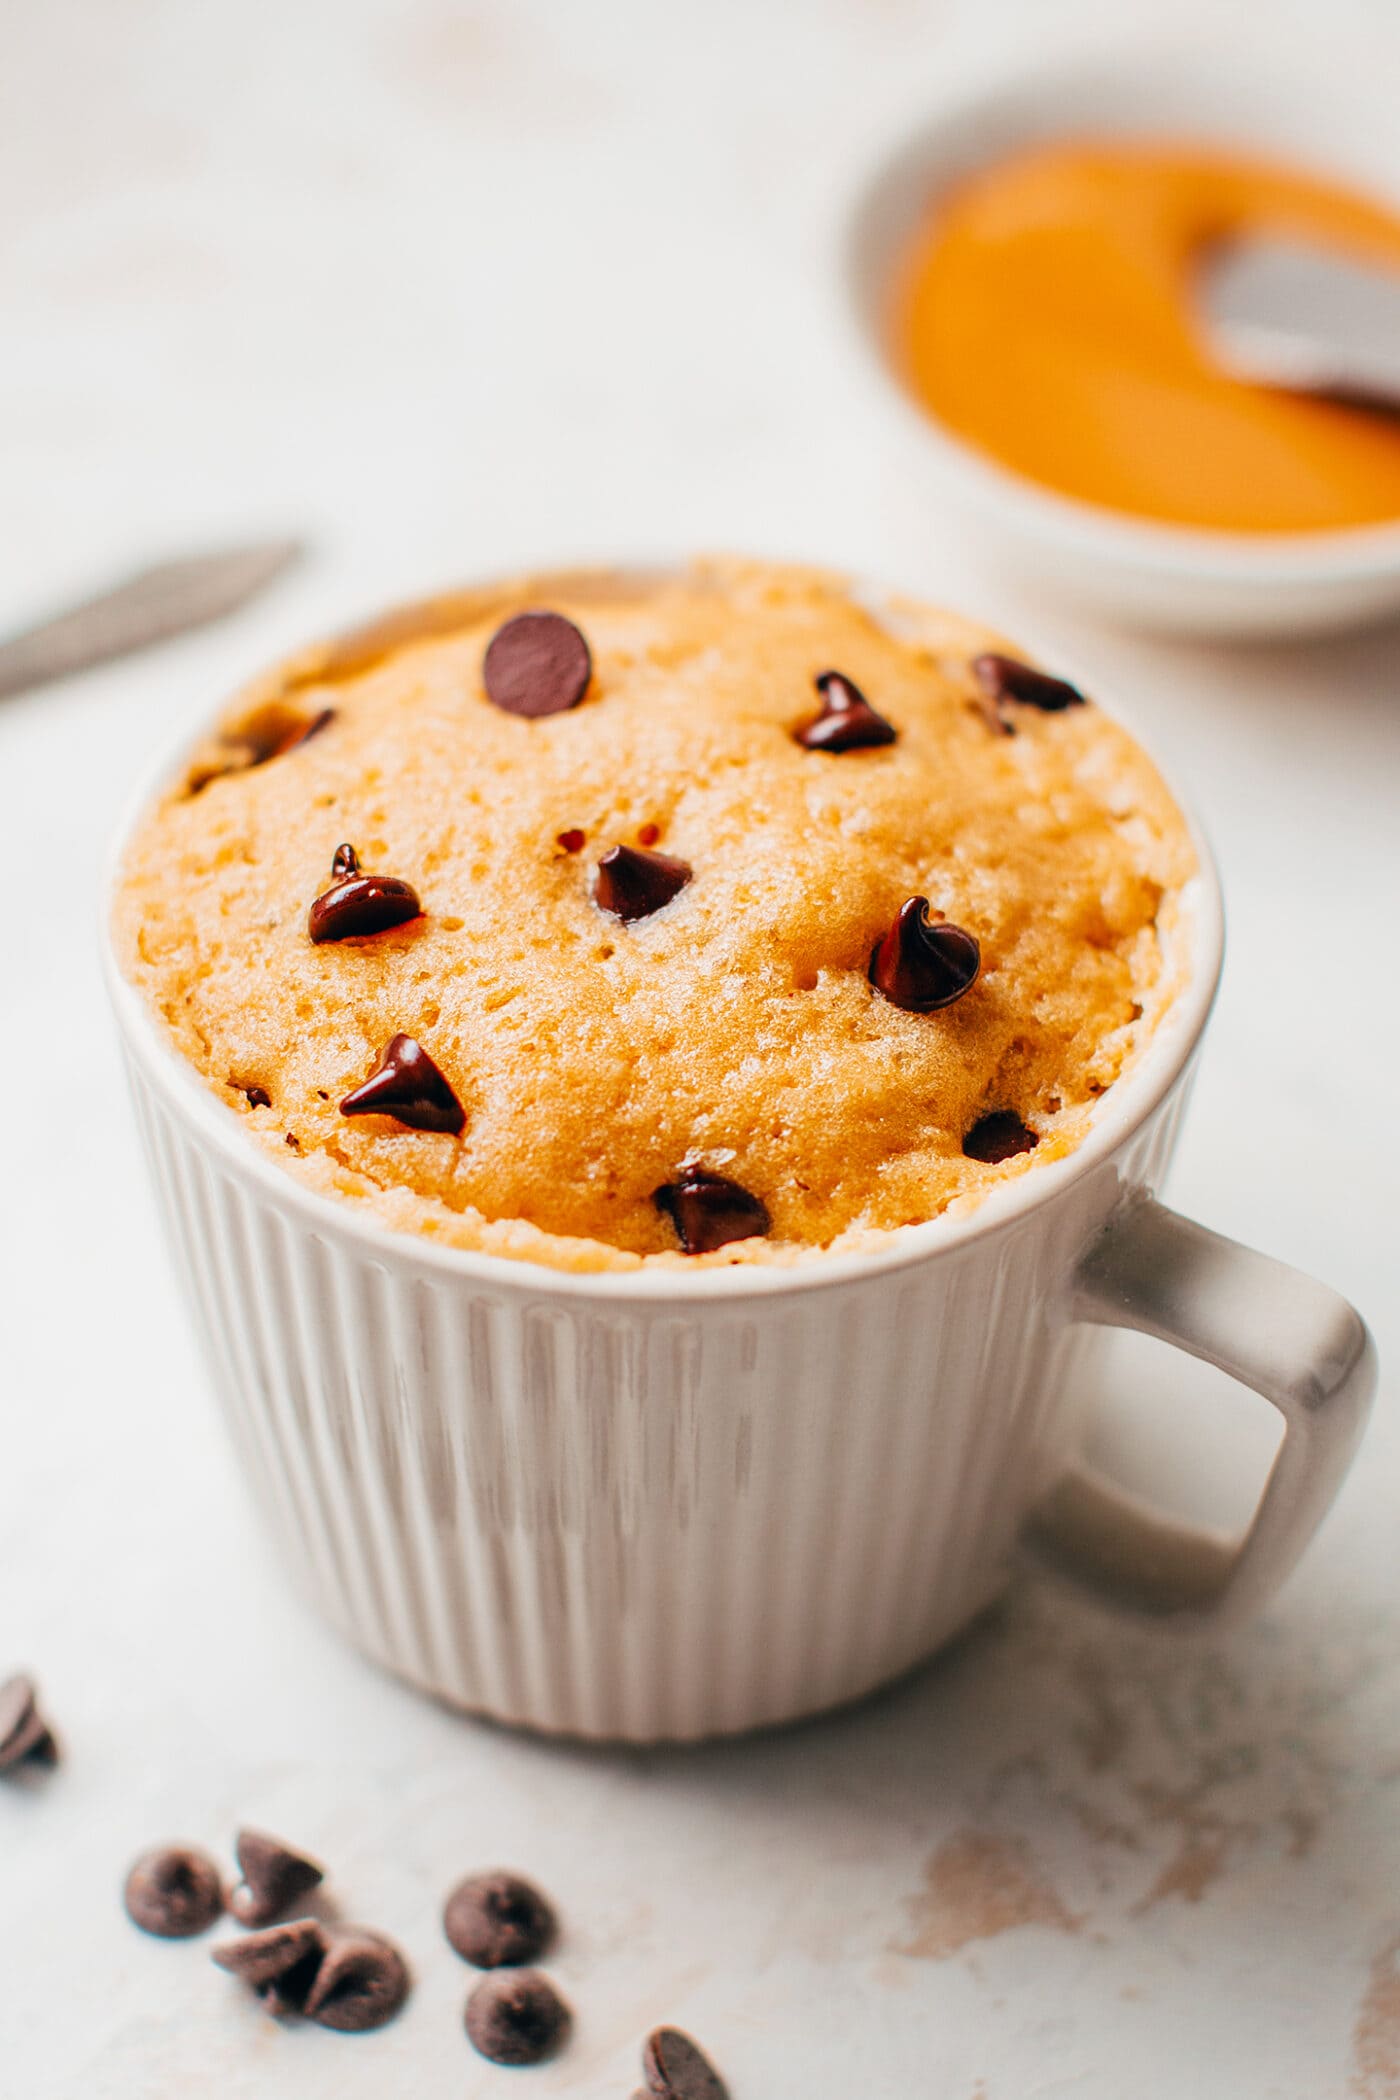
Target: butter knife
x: 153, y: 605
x: 1280, y: 313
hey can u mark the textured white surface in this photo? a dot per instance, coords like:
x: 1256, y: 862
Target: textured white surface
x: 463, y: 289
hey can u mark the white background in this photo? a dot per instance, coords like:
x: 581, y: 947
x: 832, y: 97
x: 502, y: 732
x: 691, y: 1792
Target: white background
x: 451, y: 289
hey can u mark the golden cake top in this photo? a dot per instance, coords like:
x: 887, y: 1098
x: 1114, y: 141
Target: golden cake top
x: 722, y: 916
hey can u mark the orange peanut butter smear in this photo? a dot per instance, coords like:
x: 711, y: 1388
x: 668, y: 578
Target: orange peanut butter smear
x: 1045, y: 316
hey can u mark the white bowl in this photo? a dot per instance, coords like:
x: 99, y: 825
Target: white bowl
x: 1162, y: 576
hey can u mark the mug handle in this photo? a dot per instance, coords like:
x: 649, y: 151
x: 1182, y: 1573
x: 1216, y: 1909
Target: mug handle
x: 1278, y: 1331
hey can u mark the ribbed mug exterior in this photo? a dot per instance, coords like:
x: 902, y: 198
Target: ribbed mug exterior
x: 639, y: 1515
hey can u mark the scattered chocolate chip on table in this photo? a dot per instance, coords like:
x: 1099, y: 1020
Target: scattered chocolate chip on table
x: 677, y: 2068
x: 361, y: 1983
x: 274, y: 1878
x: 498, y: 1920
x: 515, y: 2016
x: 279, y: 1963
x: 341, y: 1976
x: 174, y: 1892
x: 25, y: 1736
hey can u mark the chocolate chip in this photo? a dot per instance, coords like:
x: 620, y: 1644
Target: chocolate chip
x: 280, y: 1964
x: 408, y: 1086
x: 924, y: 963
x: 276, y: 731
x: 515, y: 2016
x: 257, y: 1096
x: 1005, y: 681
x: 677, y: 2068
x: 270, y: 733
x: 274, y: 1877
x: 632, y: 884
x: 346, y: 861
x: 314, y: 727
x: 25, y: 1736
x: 847, y: 721
x: 998, y: 1136
x: 362, y: 1981
x: 174, y: 1892
x: 359, y: 905
x: 497, y: 1920
x: 537, y: 664
x: 709, y: 1211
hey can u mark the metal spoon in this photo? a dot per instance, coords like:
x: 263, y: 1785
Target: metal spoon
x: 1280, y: 313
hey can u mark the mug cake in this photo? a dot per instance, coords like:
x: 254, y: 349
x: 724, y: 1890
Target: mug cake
x: 729, y: 915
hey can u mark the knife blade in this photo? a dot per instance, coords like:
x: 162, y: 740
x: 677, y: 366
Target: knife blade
x: 1280, y: 313
x: 151, y: 606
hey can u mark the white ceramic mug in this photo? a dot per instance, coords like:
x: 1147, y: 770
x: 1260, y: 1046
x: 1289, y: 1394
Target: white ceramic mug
x: 656, y: 1505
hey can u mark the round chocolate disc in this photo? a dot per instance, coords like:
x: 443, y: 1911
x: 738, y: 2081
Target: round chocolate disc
x: 537, y: 664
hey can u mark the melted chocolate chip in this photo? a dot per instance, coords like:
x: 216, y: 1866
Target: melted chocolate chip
x: 275, y: 732
x: 313, y: 728
x: 847, y: 721
x: 361, y: 1982
x: 497, y: 1920
x: 408, y: 1086
x: 274, y: 1878
x: 515, y: 2016
x: 1005, y: 681
x: 25, y: 1736
x: 174, y: 1892
x: 998, y: 1136
x: 537, y: 664
x: 632, y: 884
x: 709, y: 1211
x: 676, y: 2068
x: 359, y: 905
x: 257, y: 1096
x: 280, y: 1964
x: 345, y: 862
x: 270, y: 733
x: 923, y: 963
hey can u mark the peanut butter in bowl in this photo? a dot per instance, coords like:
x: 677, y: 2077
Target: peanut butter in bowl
x: 1044, y: 314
